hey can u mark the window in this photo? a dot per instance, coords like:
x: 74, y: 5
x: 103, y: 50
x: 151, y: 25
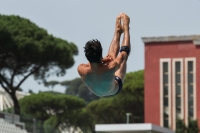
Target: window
x: 190, y: 82
x: 177, y: 90
x: 165, y: 94
x: 190, y: 88
x: 165, y: 99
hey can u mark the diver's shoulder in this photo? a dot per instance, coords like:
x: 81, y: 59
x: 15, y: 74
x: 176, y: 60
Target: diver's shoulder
x: 83, y: 69
x: 84, y: 65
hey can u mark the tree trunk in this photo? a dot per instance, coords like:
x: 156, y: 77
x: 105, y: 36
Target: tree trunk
x: 92, y: 128
x: 16, y: 103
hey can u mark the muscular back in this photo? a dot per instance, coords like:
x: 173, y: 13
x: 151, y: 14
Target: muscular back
x: 99, y: 78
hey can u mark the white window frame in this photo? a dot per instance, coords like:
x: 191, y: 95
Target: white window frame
x: 186, y: 88
x: 174, y: 60
x: 163, y: 60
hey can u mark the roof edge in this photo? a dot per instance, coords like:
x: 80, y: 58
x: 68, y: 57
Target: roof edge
x: 194, y: 38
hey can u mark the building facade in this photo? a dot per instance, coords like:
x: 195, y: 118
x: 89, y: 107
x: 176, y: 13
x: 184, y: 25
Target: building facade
x: 172, y: 72
x: 6, y: 101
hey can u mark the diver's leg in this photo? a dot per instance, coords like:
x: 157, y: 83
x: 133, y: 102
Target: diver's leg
x: 115, y: 44
x: 121, y: 72
x: 126, y: 38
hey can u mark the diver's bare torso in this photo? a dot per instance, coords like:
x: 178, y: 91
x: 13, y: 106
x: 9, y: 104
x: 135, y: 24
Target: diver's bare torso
x: 106, y: 78
x: 100, y: 78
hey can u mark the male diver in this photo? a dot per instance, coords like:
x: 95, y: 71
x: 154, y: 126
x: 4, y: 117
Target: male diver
x: 105, y: 76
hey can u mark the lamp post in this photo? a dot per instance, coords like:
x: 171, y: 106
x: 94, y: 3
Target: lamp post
x: 127, y: 117
x: 34, y: 125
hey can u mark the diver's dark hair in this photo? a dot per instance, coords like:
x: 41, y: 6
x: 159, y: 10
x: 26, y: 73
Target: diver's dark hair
x: 93, y: 51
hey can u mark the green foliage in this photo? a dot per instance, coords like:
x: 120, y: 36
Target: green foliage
x: 30, y: 91
x: 52, y: 92
x: 52, y: 109
x: 106, y: 110
x: 56, y: 103
x: 50, y: 124
x: 134, y: 80
x: 78, y: 88
x: 192, y: 126
x: 82, y: 116
x: 72, y: 86
x: 26, y: 44
x: 80, y: 119
x: 50, y: 83
x: 27, y: 49
x: 8, y: 110
x: 180, y: 126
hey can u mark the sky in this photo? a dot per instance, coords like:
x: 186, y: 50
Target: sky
x: 79, y: 21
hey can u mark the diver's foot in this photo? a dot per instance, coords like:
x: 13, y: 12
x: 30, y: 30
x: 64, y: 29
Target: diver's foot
x: 125, y: 21
x: 119, y: 27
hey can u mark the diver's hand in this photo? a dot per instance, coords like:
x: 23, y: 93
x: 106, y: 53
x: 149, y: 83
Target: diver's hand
x: 106, y: 60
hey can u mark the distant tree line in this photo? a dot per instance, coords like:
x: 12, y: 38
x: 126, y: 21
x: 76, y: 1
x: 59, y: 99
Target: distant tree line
x: 53, y: 110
